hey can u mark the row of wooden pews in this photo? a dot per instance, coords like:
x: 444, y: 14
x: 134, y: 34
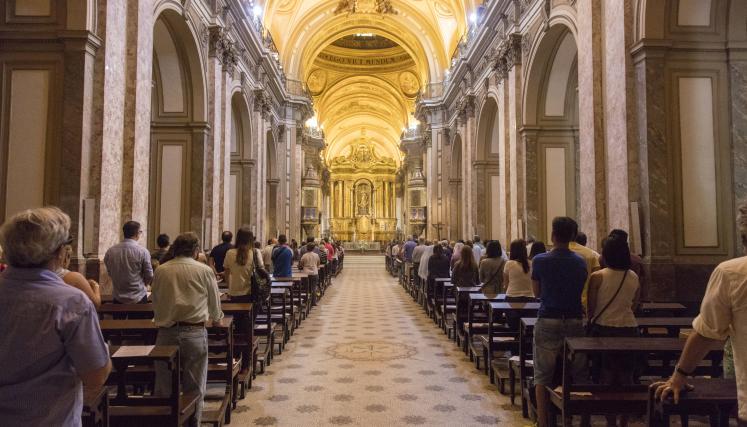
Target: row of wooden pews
x: 497, y: 335
x: 239, y: 347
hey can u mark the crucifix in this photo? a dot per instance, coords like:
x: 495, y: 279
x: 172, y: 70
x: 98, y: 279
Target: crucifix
x: 438, y: 226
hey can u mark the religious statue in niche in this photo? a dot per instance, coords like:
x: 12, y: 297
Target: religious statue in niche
x: 363, y: 190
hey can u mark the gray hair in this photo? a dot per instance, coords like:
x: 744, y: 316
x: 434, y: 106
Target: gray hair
x: 32, y: 238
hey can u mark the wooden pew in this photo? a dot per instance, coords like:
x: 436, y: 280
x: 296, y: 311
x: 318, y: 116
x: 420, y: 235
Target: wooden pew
x: 577, y: 399
x: 522, y: 367
x: 460, y: 315
x: 127, y: 409
x: 476, y: 322
x: 712, y: 397
x: 501, y: 338
x: 661, y: 309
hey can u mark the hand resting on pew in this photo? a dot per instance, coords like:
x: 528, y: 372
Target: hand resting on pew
x: 696, y: 348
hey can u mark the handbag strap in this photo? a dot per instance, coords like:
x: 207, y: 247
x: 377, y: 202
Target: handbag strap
x: 594, y: 319
x: 503, y: 264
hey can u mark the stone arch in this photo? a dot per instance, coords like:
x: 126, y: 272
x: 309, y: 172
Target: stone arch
x: 242, y: 168
x: 551, y: 130
x: 489, y: 220
x: 273, y: 189
x: 178, y: 128
x: 456, y: 198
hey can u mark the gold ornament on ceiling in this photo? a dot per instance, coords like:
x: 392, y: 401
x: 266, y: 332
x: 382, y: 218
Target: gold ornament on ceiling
x: 317, y: 81
x: 383, y: 7
x: 363, y: 156
x: 409, y: 84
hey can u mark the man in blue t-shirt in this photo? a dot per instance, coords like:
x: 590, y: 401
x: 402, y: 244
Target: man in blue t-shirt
x: 407, y: 250
x: 282, y: 258
x: 558, y: 279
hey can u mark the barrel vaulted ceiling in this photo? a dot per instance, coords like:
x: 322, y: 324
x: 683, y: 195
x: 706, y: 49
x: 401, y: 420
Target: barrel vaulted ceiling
x: 364, y: 69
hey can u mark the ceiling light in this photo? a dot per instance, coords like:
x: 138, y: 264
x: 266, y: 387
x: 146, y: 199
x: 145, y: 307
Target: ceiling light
x: 257, y: 11
x: 473, y: 18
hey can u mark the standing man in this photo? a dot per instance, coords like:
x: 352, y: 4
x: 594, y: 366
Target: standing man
x: 309, y: 264
x: 50, y: 340
x: 722, y: 315
x: 218, y: 253
x: 282, y: 258
x: 185, y: 297
x: 267, y: 254
x: 128, y: 264
x: 407, y: 250
x: 330, y: 255
x: 591, y: 258
x: 417, y: 253
x: 558, y: 279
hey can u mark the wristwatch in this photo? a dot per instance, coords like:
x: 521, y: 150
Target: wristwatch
x: 682, y: 372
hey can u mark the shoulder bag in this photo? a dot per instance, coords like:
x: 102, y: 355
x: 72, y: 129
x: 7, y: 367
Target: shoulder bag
x: 592, y: 322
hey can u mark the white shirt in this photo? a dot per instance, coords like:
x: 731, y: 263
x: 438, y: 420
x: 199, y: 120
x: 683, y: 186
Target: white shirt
x: 423, y: 267
x: 619, y: 314
x: 477, y: 252
x: 310, y: 263
x: 519, y: 282
x: 723, y: 313
x: 185, y: 290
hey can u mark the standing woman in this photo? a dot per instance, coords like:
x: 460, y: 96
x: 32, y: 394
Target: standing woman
x: 537, y: 248
x: 516, y: 275
x: 491, y: 269
x: 465, y: 271
x: 239, y: 265
x: 457, y: 253
x: 614, y: 293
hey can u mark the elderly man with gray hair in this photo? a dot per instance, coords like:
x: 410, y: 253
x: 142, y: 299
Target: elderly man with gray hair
x: 723, y: 313
x: 50, y: 340
x: 185, y: 297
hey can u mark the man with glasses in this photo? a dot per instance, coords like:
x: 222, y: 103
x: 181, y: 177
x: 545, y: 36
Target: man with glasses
x: 128, y: 265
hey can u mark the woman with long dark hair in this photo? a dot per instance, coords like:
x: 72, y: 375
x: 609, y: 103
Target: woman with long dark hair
x: 537, y: 248
x: 239, y: 265
x: 614, y: 293
x: 465, y: 271
x: 491, y: 269
x: 516, y: 275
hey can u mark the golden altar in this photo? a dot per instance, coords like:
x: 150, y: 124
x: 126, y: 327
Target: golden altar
x: 363, y: 195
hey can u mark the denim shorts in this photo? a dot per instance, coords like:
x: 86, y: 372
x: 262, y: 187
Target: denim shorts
x: 549, y: 337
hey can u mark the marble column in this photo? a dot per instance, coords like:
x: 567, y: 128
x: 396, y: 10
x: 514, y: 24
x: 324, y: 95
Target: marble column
x: 592, y: 216
x: 80, y: 49
x: 657, y: 219
x: 107, y: 130
x: 136, y: 183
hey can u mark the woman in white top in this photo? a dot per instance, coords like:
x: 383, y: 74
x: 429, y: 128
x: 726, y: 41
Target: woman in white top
x: 239, y: 265
x: 614, y: 293
x: 517, y: 277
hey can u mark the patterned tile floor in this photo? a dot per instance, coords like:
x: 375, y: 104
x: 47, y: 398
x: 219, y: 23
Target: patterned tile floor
x: 369, y: 356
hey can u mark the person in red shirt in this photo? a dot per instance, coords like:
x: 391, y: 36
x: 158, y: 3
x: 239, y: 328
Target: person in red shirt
x: 330, y: 255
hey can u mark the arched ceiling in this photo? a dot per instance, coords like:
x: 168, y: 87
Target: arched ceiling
x: 365, y: 69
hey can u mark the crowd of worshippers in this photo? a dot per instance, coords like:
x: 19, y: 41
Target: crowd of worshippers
x: 584, y: 293
x: 51, y: 339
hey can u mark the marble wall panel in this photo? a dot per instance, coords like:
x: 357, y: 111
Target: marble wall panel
x: 738, y: 76
x: 137, y: 112
x: 109, y: 91
x: 592, y: 188
x: 615, y: 114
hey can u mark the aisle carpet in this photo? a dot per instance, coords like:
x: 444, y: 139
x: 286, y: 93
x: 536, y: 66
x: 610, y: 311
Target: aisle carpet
x: 369, y: 356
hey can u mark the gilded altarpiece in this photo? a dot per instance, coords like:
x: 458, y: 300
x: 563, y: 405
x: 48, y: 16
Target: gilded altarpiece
x: 362, y: 187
